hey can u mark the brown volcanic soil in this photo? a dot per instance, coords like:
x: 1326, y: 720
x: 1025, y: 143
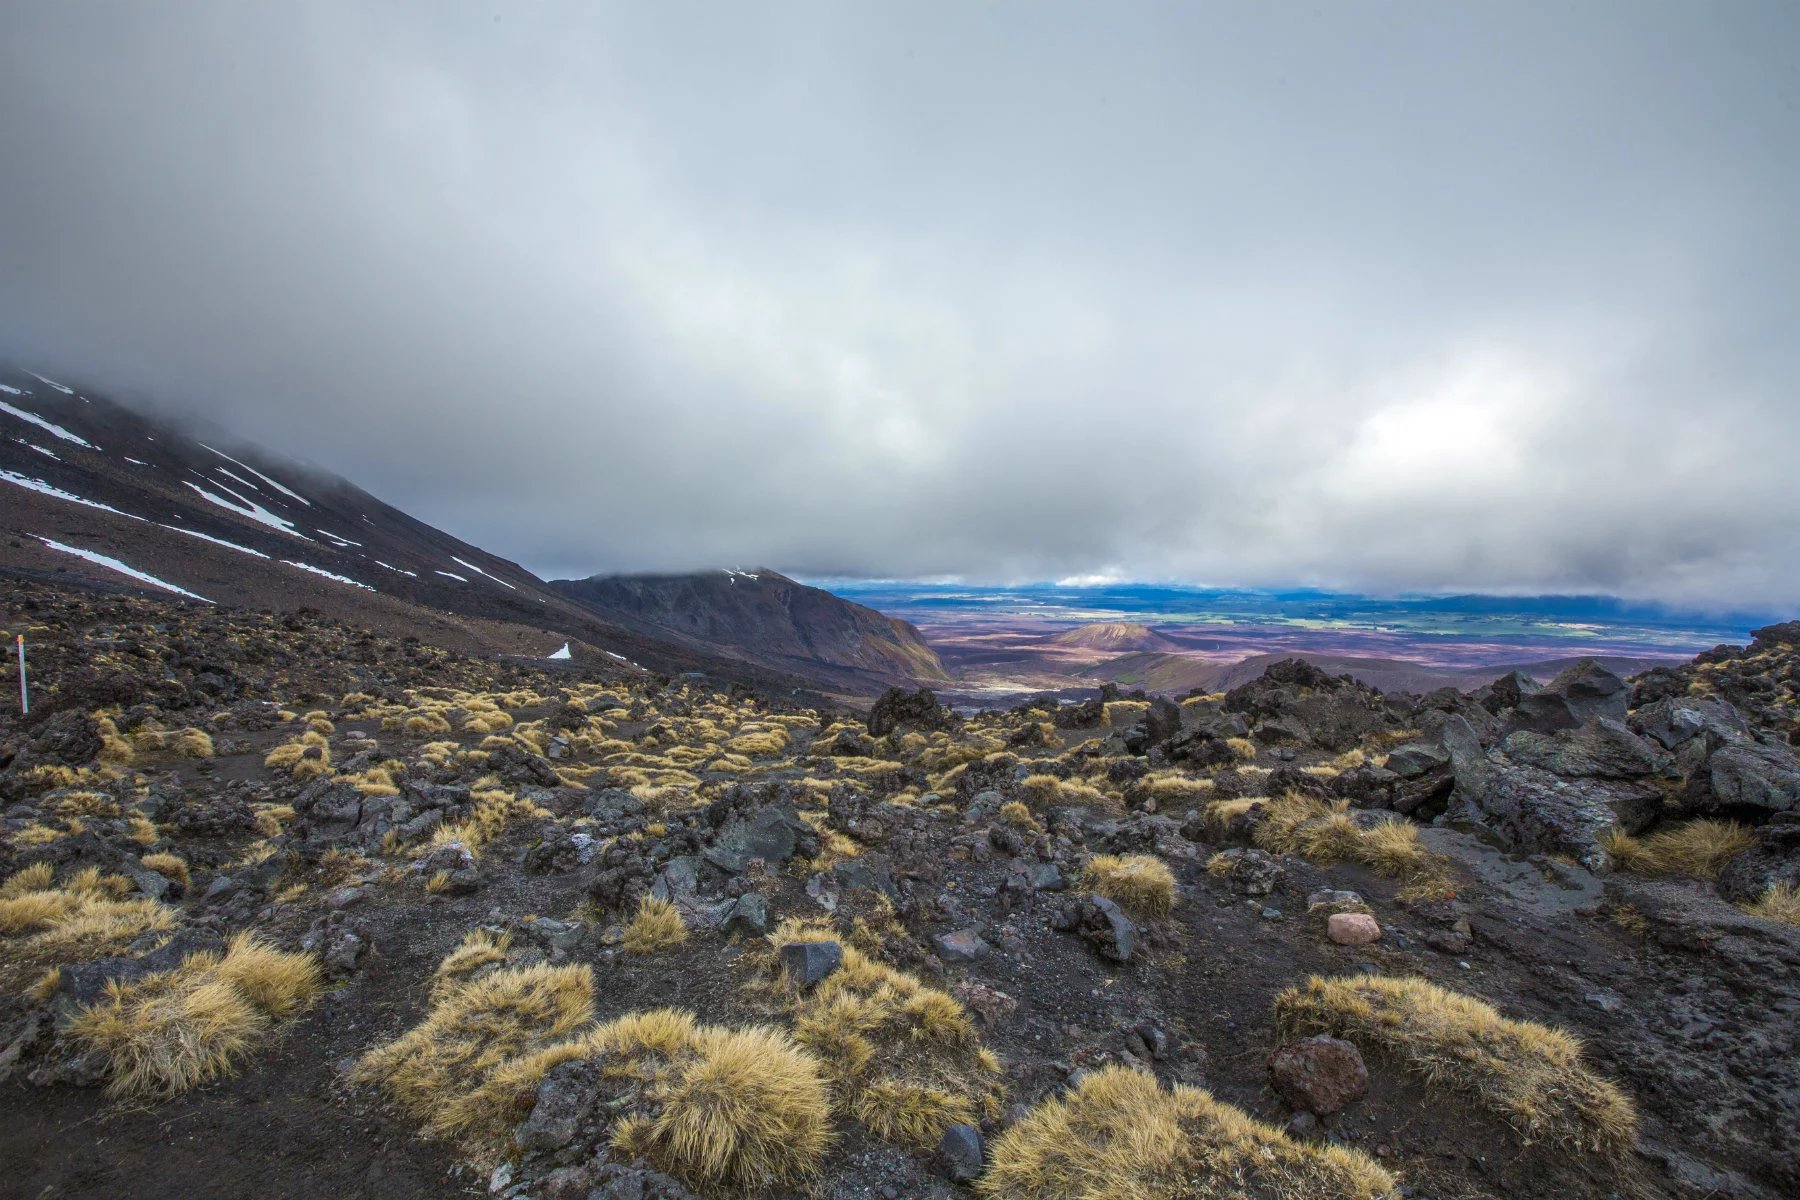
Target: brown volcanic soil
x: 1688, y: 1003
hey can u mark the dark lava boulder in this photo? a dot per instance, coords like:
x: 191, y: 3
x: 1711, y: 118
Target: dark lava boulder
x: 900, y: 709
x: 1579, y: 694
x: 1294, y: 701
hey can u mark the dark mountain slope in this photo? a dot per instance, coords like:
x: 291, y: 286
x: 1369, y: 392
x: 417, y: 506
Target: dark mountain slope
x: 92, y: 492
x: 766, y: 618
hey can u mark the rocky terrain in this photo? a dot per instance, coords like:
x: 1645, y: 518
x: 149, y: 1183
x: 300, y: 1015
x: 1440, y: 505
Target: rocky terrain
x: 289, y: 907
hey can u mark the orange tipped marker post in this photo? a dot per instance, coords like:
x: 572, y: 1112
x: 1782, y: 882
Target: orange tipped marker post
x: 24, y: 696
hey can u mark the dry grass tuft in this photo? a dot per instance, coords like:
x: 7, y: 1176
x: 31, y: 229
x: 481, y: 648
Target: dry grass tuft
x: 1697, y: 849
x: 1326, y: 833
x: 1141, y: 884
x: 1527, y: 1074
x: 1244, y: 748
x: 1122, y: 1136
x: 85, y: 916
x: 306, y: 757
x: 906, y: 1058
x: 170, y: 866
x: 177, y: 1029
x: 657, y: 926
x: 1779, y: 903
x: 741, y: 1108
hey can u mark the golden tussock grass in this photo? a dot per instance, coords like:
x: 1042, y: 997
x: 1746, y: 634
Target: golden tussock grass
x: 1779, y: 903
x: 85, y: 916
x: 170, y: 866
x: 1326, y: 833
x: 1120, y: 1135
x: 143, y: 830
x: 1529, y: 1075
x: 1244, y: 748
x: 1697, y: 849
x: 656, y: 926
x: 905, y: 1057
x: 1139, y: 883
x: 306, y: 757
x: 114, y: 749
x: 421, y: 724
x: 711, y: 1106
x: 174, y: 1030
x: 759, y: 741
x: 87, y: 804
x: 1174, y: 789
x: 478, y: 948
x: 1016, y: 814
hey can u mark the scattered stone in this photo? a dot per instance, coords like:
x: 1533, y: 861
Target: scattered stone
x: 748, y: 917
x: 961, y: 1153
x: 1352, y: 929
x: 1319, y: 1074
x: 807, y: 963
x: 962, y: 945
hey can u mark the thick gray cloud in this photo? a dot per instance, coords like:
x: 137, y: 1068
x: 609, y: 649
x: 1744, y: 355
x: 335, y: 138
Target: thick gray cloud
x: 1476, y: 296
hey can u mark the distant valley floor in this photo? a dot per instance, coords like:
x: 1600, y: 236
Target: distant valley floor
x: 999, y: 642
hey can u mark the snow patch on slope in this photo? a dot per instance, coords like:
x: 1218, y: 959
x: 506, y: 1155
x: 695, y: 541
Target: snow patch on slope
x: 397, y: 570
x: 479, y: 572
x: 65, y: 390
x: 278, y: 487
x: 207, y: 537
x: 113, y: 564
x: 327, y: 574
x: 38, y: 485
x: 563, y: 653
x: 54, y: 428
x: 452, y: 575
x: 249, y: 508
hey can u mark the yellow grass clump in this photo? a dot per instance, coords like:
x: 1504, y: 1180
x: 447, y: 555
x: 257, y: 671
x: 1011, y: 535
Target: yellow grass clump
x: 170, y: 866
x: 478, y: 948
x: 306, y: 757
x: 905, y: 1058
x: 176, y: 1029
x: 1529, y: 1075
x: 1244, y: 748
x: 714, y: 1107
x: 1016, y: 814
x: 1779, y: 903
x: 1325, y: 833
x: 1120, y: 1135
x: 1696, y: 848
x: 657, y: 926
x: 1139, y: 883
x: 86, y: 915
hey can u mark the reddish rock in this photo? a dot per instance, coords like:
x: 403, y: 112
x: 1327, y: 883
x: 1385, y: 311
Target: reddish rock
x: 1352, y: 929
x: 1319, y: 1075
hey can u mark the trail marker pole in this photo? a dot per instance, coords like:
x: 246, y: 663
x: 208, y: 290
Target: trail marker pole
x: 24, y: 695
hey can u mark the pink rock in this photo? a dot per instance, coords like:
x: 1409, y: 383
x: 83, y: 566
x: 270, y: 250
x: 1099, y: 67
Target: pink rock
x: 1352, y: 929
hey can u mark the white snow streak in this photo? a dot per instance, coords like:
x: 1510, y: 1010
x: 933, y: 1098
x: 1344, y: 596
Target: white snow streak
x: 251, y: 509
x: 67, y: 391
x: 327, y: 574
x: 207, y: 537
x: 278, y: 487
x: 563, y: 653
x: 341, y: 540
x: 10, y: 390
x: 396, y: 570
x: 482, y: 573
x: 452, y: 575
x: 58, y: 430
x: 39, y: 449
x: 38, y: 485
x: 113, y: 564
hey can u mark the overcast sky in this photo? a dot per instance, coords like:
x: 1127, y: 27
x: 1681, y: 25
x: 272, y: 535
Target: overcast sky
x: 1477, y: 296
